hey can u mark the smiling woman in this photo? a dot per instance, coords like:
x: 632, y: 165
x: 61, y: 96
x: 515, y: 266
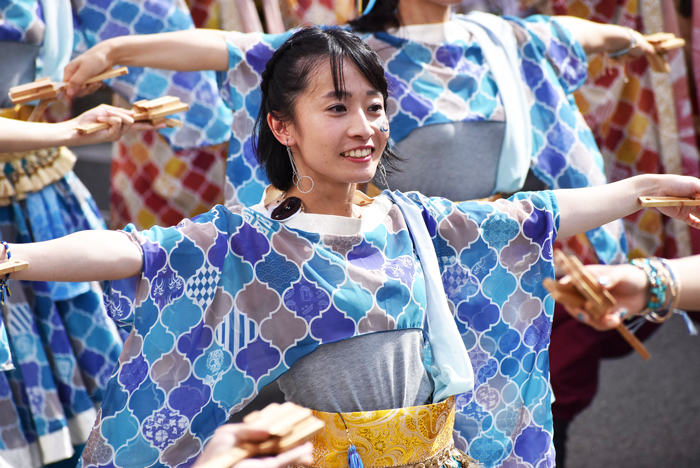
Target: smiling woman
x: 342, y: 105
x: 340, y: 141
x: 367, y: 310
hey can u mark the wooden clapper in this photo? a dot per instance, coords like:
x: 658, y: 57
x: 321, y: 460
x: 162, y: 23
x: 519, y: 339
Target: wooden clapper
x: 584, y: 292
x: 154, y: 111
x: 289, y: 426
x: 46, y: 91
x: 656, y: 202
x: 662, y: 43
x: 11, y: 266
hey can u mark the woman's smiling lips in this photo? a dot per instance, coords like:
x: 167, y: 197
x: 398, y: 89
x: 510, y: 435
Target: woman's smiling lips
x: 359, y: 154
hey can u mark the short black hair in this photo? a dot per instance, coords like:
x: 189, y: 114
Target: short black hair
x: 383, y: 16
x: 288, y: 74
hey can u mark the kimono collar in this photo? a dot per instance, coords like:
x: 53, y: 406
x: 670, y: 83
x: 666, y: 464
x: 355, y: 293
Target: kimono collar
x: 271, y: 193
x: 376, y: 210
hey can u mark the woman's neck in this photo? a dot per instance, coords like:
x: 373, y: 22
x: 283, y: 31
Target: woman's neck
x: 327, y: 200
x: 413, y: 12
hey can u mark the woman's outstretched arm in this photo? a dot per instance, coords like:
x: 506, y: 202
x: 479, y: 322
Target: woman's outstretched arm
x: 189, y: 50
x: 587, y: 208
x: 17, y: 135
x: 598, y: 38
x: 82, y: 256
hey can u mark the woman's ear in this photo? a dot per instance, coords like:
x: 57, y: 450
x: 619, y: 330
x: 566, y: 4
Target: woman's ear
x: 280, y: 130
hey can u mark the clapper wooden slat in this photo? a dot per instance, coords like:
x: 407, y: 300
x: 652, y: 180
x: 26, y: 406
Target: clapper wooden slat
x: 11, y: 266
x: 146, y: 111
x: 585, y: 292
x: 656, y: 202
x: 46, y: 91
x: 289, y: 426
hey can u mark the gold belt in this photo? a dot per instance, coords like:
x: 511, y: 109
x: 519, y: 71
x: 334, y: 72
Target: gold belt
x: 419, y: 436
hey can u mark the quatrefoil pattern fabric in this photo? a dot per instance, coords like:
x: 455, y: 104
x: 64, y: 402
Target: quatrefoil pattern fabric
x: 227, y: 302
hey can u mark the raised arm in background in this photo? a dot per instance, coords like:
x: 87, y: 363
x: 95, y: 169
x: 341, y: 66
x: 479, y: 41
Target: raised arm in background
x: 598, y: 38
x: 17, y: 135
x: 190, y: 50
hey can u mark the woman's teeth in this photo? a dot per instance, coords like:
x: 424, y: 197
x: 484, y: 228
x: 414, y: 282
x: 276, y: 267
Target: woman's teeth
x: 359, y: 153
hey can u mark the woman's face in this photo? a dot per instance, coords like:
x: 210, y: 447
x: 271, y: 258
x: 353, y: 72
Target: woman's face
x: 338, y: 141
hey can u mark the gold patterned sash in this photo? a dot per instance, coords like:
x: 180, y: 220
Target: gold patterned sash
x: 30, y: 171
x: 419, y: 436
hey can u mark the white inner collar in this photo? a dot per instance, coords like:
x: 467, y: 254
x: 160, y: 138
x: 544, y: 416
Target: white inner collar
x: 373, y: 215
x: 436, y: 33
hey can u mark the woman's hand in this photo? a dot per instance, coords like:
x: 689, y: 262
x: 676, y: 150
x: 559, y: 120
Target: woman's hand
x: 680, y: 186
x: 626, y: 283
x: 188, y: 50
x: 16, y: 135
x: 88, y: 64
x: 232, y: 435
x: 120, y: 121
x: 642, y: 48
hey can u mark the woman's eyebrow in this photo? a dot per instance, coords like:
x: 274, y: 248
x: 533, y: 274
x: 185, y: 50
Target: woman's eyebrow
x: 333, y: 94
x: 348, y: 94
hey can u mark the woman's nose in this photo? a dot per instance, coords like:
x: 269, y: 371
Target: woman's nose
x: 361, y: 126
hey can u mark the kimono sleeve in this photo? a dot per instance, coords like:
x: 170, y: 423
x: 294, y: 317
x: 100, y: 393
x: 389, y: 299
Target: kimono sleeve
x: 240, y: 89
x: 248, y: 54
x: 493, y: 258
x: 473, y: 228
x: 174, y: 259
x: 545, y: 38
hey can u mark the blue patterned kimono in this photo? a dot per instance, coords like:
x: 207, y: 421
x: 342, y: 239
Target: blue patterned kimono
x: 229, y: 301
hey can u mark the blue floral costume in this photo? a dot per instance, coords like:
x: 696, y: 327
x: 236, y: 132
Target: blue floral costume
x: 62, y: 346
x: 230, y: 300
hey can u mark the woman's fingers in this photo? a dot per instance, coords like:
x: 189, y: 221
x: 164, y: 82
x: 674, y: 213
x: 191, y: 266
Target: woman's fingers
x: 82, y: 68
x: 86, y: 90
x: 623, y: 283
x: 301, y: 455
x: 143, y: 126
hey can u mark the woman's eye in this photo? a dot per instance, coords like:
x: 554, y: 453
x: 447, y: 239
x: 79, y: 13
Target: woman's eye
x: 337, y: 108
x: 376, y: 108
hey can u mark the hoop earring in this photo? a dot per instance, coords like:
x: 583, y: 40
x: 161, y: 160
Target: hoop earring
x: 296, y: 177
x: 382, y: 173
